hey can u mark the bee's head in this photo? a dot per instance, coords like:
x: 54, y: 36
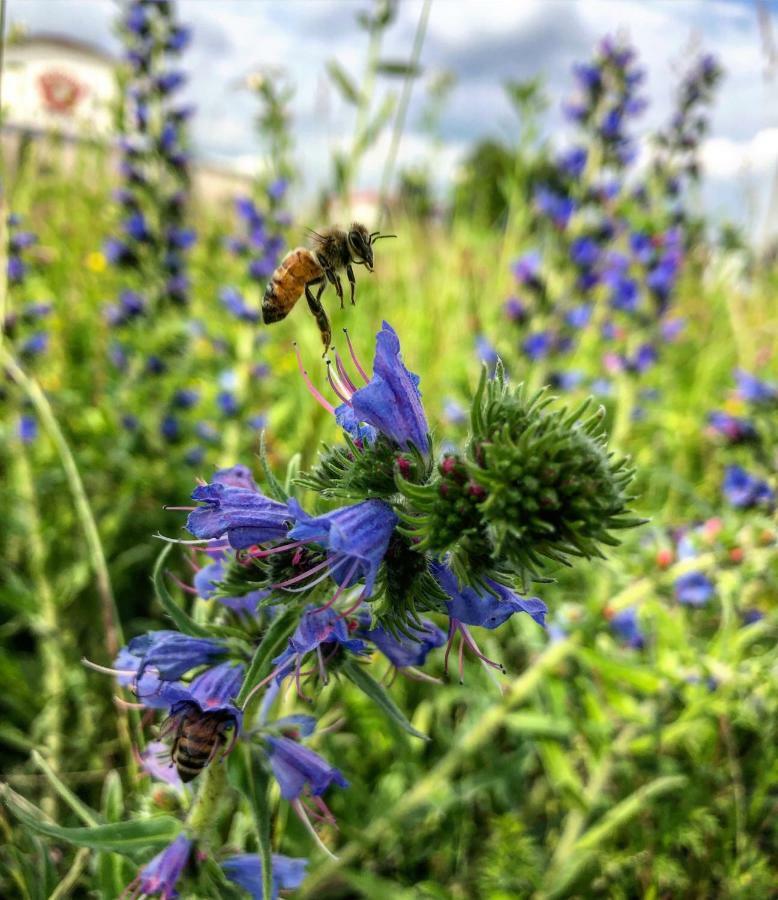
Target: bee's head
x: 359, y: 245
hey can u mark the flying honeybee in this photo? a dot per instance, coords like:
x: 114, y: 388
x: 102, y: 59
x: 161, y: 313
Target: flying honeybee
x: 302, y: 269
x: 198, y: 737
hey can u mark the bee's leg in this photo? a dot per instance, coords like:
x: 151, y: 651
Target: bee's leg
x: 335, y: 280
x: 314, y: 304
x: 352, y: 283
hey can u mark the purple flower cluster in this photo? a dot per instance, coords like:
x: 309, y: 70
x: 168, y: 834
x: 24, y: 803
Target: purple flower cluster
x: 153, y: 238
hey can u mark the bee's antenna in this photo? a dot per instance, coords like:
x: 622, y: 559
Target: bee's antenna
x: 379, y: 236
x: 311, y: 231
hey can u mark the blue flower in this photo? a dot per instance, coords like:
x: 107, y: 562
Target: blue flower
x: 27, y: 429
x: 745, y: 490
x: 356, y: 538
x: 526, y: 269
x: 161, y: 875
x: 555, y: 206
x: 234, y: 301
x: 391, y: 401
x: 584, y: 251
x: 405, y: 650
x: 247, y: 517
x: 170, y: 429
x: 170, y: 653
x: 295, y: 766
x: 573, y: 161
x: 346, y: 418
x: 486, y: 352
x: 538, y: 345
x: 624, y: 294
x: 34, y: 345
x: 693, y: 589
x: 752, y: 390
x: 579, y: 316
x: 178, y: 39
x: 734, y: 429
x: 316, y: 627
x: 627, y: 628
x: 489, y: 609
x: 515, y: 310
x: 16, y: 270
x: 185, y: 398
x: 245, y: 870
x: 170, y: 81
x: 227, y: 403
x: 276, y: 189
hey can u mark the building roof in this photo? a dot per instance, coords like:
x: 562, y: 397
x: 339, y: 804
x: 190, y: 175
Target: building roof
x: 66, y: 43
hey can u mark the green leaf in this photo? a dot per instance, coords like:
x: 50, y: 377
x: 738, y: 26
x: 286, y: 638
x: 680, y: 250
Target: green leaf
x: 343, y: 82
x: 183, y: 622
x: 368, y: 685
x: 274, y: 639
x: 123, y: 837
x: 397, y: 68
x: 87, y: 815
x: 110, y: 869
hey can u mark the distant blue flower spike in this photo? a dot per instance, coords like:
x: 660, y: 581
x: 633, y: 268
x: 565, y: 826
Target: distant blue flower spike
x: 245, y: 870
x: 627, y: 628
x: 752, y: 390
x: 744, y: 490
x: 247, y: 517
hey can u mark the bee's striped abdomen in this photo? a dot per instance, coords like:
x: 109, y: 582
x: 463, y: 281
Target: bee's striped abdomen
x: 198, y: 740
x: 287, y: 283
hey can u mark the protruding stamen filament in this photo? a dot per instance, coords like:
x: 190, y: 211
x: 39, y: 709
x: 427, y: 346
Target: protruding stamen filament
x: 470, y: 641
x: 126, y: 673
x: 343, y: 373
x: 341, y: 588
x: 187, y: 588
x: 300, y: 810
x: 452, y: 630
x: 261, y: 554
x: 309, y: 384
x: 318, y: 567
x: 354, y: 357
x: 335, y: 385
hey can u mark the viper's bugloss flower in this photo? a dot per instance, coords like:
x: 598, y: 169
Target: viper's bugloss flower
x: 170, y: 429
x: 317, y: 628
x: 752, y: 390
x: 355, y: 537
x: 733, y: 429
x: 573, y: 161
x: 159, y: 877
x: 626, y: 627
x: 403, y: 650
x: 296, y: 768
x: 391, y: 401
x: 489, y: 607
x: 693, y: 589
x: 486, y: 351
x: 172, y: 654
x: 186, y: 398
x: 245, y: 870
x: 538, y: 345
x: 556, y: 207
x: 745, y: 490
x: 515, y: 310
x: 156, y: 760
x: 584, y: 251
x: 245, y: 516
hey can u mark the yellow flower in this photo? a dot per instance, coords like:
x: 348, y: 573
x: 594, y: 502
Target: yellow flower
x: 95, y: 261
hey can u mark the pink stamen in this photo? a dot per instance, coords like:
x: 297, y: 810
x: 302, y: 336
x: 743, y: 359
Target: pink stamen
x: 262, y: 683
x: 296, y: 578
x: 335, y: 386
x: 326, y: 574
x: 325, y: 811
x: 343, y: 374
x: 322, y: 670
x: 469, y: 640
x: 309, y: 384
x: 341, y: 588
x: 184, y: 587
x: 300, y: 810
x: 297, y: 685
x: 354, y: 357
x: 462, y: 661
x: 125, y: 704
x: 353, y: 608
x: 261, y: 554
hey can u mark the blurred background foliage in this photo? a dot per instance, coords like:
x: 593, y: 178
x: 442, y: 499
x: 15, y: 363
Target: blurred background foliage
x: 618, y: 760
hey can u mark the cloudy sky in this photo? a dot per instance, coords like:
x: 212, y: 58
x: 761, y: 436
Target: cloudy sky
x: 483, y: 43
